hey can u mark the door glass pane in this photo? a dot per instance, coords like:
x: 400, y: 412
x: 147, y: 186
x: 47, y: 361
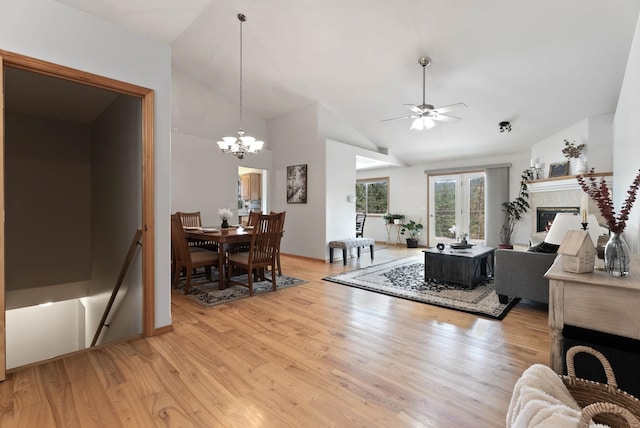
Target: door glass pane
x: 476, y: 208
x: 445, y: 208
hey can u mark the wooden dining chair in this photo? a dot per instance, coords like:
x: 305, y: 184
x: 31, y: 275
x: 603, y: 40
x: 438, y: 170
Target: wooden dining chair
x: 254, y: 216
x: 173, y: 254
x: 360, y: 218
x: 278, y: 264
x: 186, y: 258
x: 240, y: 247
x: 194, y: 219
x: 262, y: 251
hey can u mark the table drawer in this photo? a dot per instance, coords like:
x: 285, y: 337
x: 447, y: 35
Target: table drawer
x: 600, y: 308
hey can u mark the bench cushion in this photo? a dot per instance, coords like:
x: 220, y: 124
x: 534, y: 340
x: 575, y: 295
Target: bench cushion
x: 351, y: 243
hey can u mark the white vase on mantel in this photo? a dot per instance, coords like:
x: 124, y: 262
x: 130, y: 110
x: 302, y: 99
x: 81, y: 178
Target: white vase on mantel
x: 578, y: 166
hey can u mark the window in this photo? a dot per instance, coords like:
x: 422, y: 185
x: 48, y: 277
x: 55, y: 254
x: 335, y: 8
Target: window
x: 372, y: 195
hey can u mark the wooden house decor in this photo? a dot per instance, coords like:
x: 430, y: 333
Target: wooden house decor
x: 578, y: 252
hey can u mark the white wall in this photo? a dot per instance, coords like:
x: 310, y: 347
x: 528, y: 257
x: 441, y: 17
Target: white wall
x: 197, y: 110
x: 52, y: 32
x: 54, y: 330
x: 205, y: 179
x: 595, y: 132
x: 116, y: 186
x: 626, y: 161
x: 48, y: 202
x: 202, y: 177
x: 340, y: 183
x: 408, y: 192
x: 295, y: 141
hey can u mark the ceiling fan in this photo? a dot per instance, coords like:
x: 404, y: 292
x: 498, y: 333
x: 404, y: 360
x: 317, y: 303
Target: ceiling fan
x: 425, y: 114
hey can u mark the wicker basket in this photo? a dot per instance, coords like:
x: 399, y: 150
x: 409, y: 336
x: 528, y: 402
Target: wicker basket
x: 604, y: 403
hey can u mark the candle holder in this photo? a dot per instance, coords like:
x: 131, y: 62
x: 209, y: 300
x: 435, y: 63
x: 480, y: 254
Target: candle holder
x: 533, y: 173
x: 584, y: 226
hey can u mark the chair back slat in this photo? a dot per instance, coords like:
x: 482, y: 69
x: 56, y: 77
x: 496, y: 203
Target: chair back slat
x: 190, y: 219
x: 179, y: 240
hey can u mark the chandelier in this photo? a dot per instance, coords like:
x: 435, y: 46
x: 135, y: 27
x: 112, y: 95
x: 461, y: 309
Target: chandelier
x: 241, y: 144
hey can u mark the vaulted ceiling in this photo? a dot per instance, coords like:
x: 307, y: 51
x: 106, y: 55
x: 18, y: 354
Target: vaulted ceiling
x: 541, y: 65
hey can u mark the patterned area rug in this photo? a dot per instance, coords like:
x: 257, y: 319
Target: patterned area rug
x: 405, y: 278
x: 209, y: 295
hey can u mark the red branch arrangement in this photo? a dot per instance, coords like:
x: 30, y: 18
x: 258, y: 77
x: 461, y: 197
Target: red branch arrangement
x: 599, y: 192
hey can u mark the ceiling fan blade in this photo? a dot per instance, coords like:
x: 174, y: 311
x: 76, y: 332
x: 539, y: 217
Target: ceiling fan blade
x: 396, y: 118
x: 448, y: 108
x: 425, y: 114
x: 414, y: 108
x: 445, y: 118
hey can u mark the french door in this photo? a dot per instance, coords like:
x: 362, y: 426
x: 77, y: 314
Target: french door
x: 456, y: 206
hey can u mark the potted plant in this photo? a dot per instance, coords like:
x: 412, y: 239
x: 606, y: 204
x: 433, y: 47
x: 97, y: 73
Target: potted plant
x: 413, y: 230
x: 393, y: 218
x: 462, y: 237
x: 573, y: 152
x: 513, y: 213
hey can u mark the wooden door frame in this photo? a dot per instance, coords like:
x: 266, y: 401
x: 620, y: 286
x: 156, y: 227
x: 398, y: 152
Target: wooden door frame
x: 148, y: 232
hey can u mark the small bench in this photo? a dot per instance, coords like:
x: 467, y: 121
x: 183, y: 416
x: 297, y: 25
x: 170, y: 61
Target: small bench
x: 347, y: 244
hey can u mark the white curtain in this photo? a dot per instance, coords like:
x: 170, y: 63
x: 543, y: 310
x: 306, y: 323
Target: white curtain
x: 496, y: 193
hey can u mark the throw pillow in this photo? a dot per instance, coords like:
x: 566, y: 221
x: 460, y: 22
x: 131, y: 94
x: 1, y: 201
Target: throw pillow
x: 544, y: 247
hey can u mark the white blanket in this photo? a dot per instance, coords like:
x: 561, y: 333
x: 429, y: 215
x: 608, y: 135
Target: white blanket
x: 541, y: 400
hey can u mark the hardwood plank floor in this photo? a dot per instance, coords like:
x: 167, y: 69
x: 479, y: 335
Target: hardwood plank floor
x: 316, y: 355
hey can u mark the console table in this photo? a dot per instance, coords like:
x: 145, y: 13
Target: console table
x: 595, y: 301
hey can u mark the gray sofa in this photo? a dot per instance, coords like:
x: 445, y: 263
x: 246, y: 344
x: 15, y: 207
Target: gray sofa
x: 521, y: 274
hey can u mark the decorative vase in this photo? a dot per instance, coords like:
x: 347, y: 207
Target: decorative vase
x: 224, y: 224
x: 616, y: 255
x: 578, y: 166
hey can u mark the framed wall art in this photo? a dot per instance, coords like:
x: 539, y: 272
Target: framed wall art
x: 297, y: 184
x: 558, y: 169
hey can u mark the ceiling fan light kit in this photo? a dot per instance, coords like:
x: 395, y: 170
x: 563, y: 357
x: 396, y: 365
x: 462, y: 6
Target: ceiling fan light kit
x: 421, y: 123
x: 240, y: 145
x: 425, y: 115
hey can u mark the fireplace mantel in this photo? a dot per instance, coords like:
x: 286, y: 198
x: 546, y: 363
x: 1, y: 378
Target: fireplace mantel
x: 567, y: 182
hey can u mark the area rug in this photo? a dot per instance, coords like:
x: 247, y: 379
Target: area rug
x: 209, y: 295
x: 405, y: 278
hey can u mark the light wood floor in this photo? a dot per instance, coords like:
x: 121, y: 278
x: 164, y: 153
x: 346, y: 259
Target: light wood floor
x: 316, y: 355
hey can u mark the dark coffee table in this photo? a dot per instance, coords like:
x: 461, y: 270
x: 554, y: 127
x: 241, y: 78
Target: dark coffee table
x: 463, y: 267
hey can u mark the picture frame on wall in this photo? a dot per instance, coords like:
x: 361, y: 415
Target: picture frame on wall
x: 558, y: 169
x: 297, y: 184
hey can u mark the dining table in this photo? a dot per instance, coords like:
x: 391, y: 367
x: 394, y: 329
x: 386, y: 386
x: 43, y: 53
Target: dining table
x: 222, y: 237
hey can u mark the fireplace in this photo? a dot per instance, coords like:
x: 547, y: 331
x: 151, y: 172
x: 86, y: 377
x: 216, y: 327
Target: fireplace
x: 545, y: 216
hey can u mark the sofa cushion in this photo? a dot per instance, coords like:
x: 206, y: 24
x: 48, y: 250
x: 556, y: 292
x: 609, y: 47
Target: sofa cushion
x: 521, y: 274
